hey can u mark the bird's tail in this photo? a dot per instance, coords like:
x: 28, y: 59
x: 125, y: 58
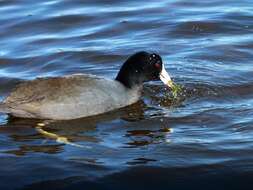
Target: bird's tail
x: 4, y: 108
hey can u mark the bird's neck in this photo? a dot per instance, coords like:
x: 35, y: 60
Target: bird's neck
x: 129, y: 78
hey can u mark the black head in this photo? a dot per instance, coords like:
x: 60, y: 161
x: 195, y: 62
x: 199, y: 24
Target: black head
x: 140, y: 67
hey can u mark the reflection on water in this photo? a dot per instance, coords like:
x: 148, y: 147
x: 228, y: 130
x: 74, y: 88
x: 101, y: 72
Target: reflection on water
x: 200, y: 137
x: 86, y: 133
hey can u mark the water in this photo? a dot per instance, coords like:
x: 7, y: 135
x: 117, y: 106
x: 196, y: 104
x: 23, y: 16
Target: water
x: 202, y: 139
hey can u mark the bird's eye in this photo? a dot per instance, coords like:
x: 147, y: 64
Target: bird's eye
x: 157, y: 65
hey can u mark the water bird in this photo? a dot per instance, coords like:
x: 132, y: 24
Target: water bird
x: 81, y: 95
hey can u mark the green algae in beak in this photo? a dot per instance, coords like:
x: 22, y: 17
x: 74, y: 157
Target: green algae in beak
x: 176, y: 89
x: 166, y: 79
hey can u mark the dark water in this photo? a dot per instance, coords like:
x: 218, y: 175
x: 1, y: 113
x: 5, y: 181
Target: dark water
x: 204, y: 139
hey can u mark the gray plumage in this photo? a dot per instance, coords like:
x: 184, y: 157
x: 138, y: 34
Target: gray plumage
x: 68, y: 97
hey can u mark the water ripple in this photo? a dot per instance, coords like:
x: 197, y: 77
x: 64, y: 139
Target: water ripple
x: 206, y: 47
